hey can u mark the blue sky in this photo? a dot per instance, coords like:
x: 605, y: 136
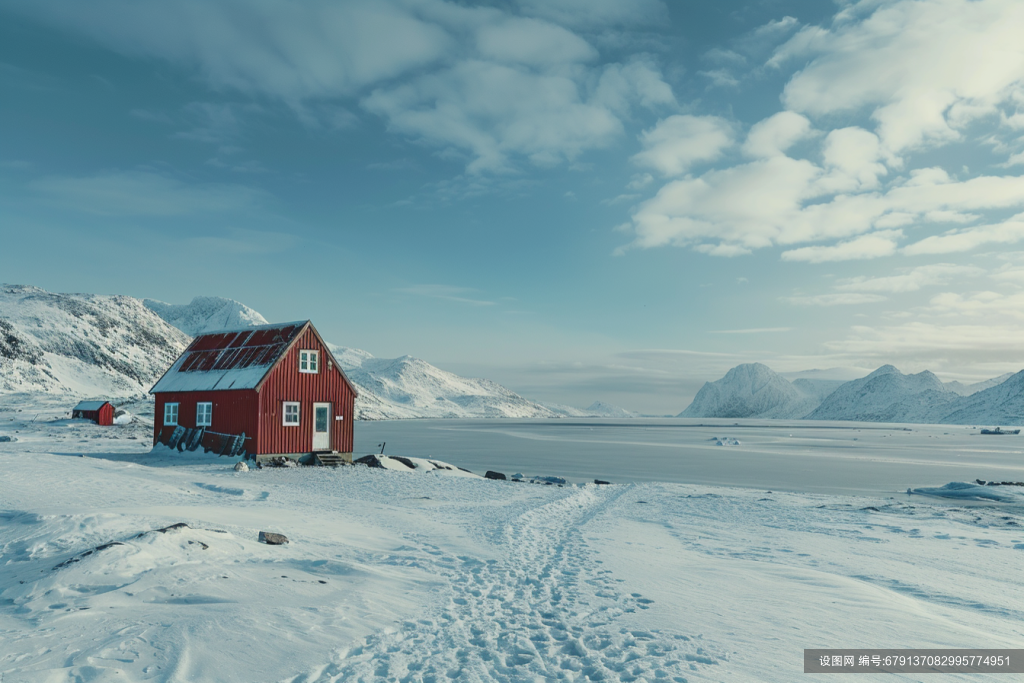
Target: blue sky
x: 582, y: 200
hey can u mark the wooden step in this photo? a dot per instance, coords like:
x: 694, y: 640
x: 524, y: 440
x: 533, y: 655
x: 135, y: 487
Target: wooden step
x: 330, y: 459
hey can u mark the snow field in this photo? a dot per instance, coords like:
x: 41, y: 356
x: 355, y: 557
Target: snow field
x: 417, y: 576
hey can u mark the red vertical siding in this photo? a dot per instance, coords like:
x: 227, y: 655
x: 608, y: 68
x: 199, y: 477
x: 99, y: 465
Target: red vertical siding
x: 286, y: 383
x: 105, y: 415
x: 234, y: 412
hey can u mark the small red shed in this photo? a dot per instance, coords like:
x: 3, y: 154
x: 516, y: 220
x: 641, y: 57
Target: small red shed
x: 100, y: 412
x: 265, y: 391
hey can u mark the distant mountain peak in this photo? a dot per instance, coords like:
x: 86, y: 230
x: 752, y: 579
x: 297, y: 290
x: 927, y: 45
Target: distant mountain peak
x: 750, y: 390
x: 206, y: 314
x: 885, y: 370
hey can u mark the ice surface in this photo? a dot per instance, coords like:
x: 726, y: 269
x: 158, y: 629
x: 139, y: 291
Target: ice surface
x: 966, y: 491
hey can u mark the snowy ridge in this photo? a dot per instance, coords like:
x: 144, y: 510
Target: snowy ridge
x: 85, y: 345
x: 886, y: 395
x: 206, y: 314
x: 1000, y: 404
x: 117, y: 346
x: 968, y: 389
x: 408, y: 387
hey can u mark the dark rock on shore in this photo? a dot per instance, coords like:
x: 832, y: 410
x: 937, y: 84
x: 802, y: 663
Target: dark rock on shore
x: 272, y: 539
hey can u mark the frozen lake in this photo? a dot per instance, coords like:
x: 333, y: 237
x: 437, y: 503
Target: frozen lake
x: 822, y: 457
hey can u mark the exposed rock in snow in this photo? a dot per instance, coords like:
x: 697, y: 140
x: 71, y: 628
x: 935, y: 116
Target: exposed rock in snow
x: 751, y: 390
x: 206, y: 314
x: 81, y: 344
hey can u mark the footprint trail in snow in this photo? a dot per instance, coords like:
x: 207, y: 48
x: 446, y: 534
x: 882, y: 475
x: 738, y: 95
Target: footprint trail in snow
x: 547, y: 611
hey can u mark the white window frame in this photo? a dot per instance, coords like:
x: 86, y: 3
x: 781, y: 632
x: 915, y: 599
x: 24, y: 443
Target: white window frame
x: 168, y: 420
x: 200, y: 422
x: 309, y: 361
x: 285, y: 414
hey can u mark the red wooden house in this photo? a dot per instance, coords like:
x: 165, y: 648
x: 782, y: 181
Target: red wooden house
x: 100, y: 412
x: 265, y: 391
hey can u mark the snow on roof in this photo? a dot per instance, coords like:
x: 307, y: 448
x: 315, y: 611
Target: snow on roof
x: 90, y: 405
x: 234, y: 359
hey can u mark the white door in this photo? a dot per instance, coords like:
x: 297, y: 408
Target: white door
x: 321, y: 426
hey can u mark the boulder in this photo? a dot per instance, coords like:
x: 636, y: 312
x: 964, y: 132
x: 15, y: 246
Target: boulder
x: 369, y: 460
x: 495, y: 475
x: 240, y: 466
x: 272, y: 539
x: 601, y: 482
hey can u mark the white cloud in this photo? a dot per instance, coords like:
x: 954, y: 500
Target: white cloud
x: 137, y: 193
x: 536, y: 43
x: 492, y: 110
x: 597, y: 13
x: 956, y: 241
x: 783, y: 201
x: 910, y: 281
x: 925, y: 68
x: 476, y: 81
x: 923, y: 342
x: 678, y: 142
x: 775, y: 134
x: 842, y: 299
x: 987, y: 304
x: 872, y: 245
x: 292, y: 51
x: 640, y: 82
x: 852, y: 155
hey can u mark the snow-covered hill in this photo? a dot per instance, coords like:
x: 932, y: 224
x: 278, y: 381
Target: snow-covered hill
x: 751, y: 390
x: 887, y: 395
x: 1002, y: 404
x: 968, y: 389
x: 206, y: 314
x: 407, y: 387
x: 85, y: 345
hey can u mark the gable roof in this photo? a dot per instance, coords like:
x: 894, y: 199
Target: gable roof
x: 232, y: 359
x: 90, y: 405
x: 235, y: 359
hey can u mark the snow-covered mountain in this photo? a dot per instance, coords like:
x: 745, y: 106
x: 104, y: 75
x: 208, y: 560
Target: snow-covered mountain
x: 206, y: 314
x: 968, y: 389
x: 752, y: 390
x: 1002, y: 404
x: 96, y: 346
x: 887, y: 395
x: 86, y: 345
x: 407, y: 387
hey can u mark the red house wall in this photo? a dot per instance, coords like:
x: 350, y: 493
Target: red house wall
x: 286, y: 383
x: 105, y: 415
x: 234, y: 412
